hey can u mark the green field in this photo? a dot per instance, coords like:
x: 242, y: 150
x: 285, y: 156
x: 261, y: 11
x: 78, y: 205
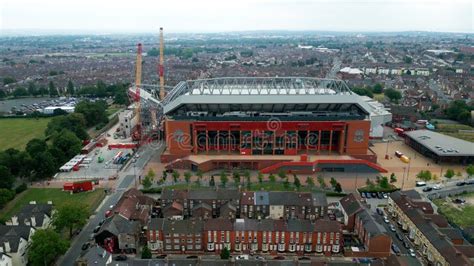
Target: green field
x: 460, y: 215
x: 16, y: 132
x: 56, y: 195
x: 453, y: 130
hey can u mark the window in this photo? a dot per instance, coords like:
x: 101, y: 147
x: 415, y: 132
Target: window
x: 190, y: 240
x: 176, y: 247
x: 176, y: 240
x: 189, y: 247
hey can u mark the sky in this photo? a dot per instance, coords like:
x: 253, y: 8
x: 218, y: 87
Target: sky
x: 120, y: 16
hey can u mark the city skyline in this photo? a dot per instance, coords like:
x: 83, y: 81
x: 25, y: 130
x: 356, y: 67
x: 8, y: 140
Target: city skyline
x: 207, y: 16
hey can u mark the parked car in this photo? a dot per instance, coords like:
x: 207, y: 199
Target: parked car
x: 399, y: 236
x: 367, y: 195
x: 385, y: 219
x: 96, y: 229
x: 192, y: 257
x: 459, y: 201
x: 102, y: 222
x: 362, y: 195
x: 380, y: 195
x: 121, y: 258
x: 470, y: 182
x: 385, y: 195
x: 242, y: 257
x: 437, y: 187
x: 412, y: 252
x: 91, y: 237
x: 396, y: 249
x: 427, y: 189
x: 259, y: 258
x: 392, y: 228
x: 162, y: 256
x: 405, y: 244
x: 460, y: 183
x: 279, y: 258
x: 373, y: 194
x: 85, y: 246
x: 304, y: 258
x: 379, y: 211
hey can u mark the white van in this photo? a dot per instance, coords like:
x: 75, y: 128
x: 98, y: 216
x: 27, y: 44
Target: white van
x: 420, y: 183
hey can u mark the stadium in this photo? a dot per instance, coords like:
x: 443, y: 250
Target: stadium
x: 295, y: 124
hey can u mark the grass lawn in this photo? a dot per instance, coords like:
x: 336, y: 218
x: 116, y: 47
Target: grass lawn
x: 16, y: 132
x: 56, y: 195
x: 453, y: 130
x: 462, y: 216
x: 111, y: 110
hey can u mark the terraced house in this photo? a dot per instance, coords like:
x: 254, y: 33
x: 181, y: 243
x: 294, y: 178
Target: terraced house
x: 430, y: 232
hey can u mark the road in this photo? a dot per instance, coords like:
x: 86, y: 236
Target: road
x: 448, y: 189
x: 404, y: 251
x: 126, y: 178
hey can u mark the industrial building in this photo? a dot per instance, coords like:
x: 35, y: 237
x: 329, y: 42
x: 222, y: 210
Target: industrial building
x: 439, y: 147
x: 295, y: 124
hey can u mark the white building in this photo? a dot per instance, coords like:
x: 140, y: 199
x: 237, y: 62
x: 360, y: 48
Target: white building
x: 127, y: 121
x: 5, y: 260
x: 379, y: 116
x: 14, y: 241
x: 50, y: 109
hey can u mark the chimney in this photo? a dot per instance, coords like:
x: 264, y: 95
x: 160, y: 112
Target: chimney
x: 15, y: 220
x: 7, y: 247
x: 33, y: 221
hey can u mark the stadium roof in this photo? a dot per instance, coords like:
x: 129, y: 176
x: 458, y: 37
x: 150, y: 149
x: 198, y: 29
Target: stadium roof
x: 442, y: 145
x: 280, y: 94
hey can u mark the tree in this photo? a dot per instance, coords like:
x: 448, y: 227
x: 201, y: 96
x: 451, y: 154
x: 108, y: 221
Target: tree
x: 384, y: 182
x: 6, y: 178
x: 94, y: 112
x: 68, y: 143
x: 424, y: 175
x: 70, y: 88
x: 393, y: 95
x: 309, y: 181
x: 42, y: 91
x: 247, y: 177
x: 35, y: 146
x: 297, y: 182
x: 282, y: 174
x: 470, y: 170
x: 71, y: 216
x: 175, y: 175
x: 20, y: 92
x: 187, y: 177
x: 46, y: 246
x: 146, y: 182
x: 260, y: 178
x: 271, y: 178
x: 146, y: 252
x: 369, y: 182
x: 225, y: 253
x: 5, y: 196
x: 458, y: 174
x: 224, y: 178
x: 408, y: 59
x: 393, y: 178
x: 212, y: 182
x: 321, y: 182
x: 74, y: 122
x: 199, y: 174
x: 32, y: 88
x: 449, y: 173
x: 338, y: 188
x: 333, y: 182
x: 236, y: 177
x: 286, y: 183
x: 8, y: 80
x: 52, y: 89
x: 378, y: 88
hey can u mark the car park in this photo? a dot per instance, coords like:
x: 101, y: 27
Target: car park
x: 121, y: 258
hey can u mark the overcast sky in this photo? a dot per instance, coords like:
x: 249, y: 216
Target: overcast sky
x: 237, y: 15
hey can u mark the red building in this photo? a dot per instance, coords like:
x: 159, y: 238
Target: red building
x: 235, y: 122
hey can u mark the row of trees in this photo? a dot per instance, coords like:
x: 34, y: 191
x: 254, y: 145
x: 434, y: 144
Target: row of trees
x: 426, y: 175
x: 392, y: 94
x: 460, y: 111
